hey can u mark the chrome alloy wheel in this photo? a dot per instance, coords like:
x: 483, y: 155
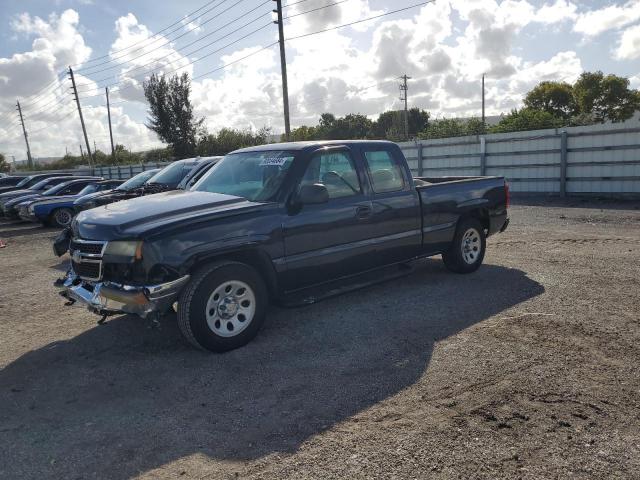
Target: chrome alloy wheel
x: 63, y: 217
x: 471, y: 246
x: 231, y: 308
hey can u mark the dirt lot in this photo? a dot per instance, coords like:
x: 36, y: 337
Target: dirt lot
x: 528, y: 368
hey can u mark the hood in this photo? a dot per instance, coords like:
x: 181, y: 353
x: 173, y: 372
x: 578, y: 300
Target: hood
x: 143, y: 216
x: 96, y: 196
x: 93, y: 195
x: 8, y: 189
x: 14, y: 193
x: 21, y: 198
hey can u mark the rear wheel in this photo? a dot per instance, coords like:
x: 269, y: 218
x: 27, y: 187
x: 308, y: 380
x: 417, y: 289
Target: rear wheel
x: 222, y: 307
x: 61, y: 217
x: 467, y: 250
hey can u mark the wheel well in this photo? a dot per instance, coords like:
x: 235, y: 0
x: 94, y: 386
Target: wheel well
x: 253, y: 258
x: 481, y: 214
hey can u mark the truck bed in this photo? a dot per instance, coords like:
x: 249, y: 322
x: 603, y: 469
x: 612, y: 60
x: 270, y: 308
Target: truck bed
x: 445, y: 199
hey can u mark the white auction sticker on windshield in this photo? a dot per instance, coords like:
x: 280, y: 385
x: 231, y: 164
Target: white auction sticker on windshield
x: 274, y: 161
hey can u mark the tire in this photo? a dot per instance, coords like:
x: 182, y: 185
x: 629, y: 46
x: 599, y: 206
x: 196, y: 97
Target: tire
x: 61, y: 217
x: 466, y: 253
x: 223, y: 306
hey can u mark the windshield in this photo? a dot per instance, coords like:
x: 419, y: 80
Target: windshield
x: 88, y: 189
x: 23, y: 182
x: 52, y: 190
x: 138, y: 180
x: 171, y: 174
x: 42, y: 184
x: 256, y: 176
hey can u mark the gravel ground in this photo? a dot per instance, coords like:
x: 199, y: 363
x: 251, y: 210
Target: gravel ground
x: 526, y: 369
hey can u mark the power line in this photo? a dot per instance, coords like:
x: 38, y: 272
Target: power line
x: 192, y: 61
x: 31, y: 100
x: 159, y: 31
x: 360, y: 21
x: 142, y: 74
x: 291, y: 4
x: 36, y: 97
x: 186, y: 54
x: 315, y: 9
x: 39, y: 92
x: 113, y: 58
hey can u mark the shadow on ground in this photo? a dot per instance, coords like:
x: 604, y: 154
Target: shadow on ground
x: 121, y: 399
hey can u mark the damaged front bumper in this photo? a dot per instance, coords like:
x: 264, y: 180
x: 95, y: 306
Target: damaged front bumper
x: 106, y: 298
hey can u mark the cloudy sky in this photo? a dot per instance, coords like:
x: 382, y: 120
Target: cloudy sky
x: 444, y: 46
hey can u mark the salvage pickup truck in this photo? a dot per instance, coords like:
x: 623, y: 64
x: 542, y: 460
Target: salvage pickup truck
x: 288, y: 223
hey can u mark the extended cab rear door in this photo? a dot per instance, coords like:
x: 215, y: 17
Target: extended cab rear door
x: 396, y: 218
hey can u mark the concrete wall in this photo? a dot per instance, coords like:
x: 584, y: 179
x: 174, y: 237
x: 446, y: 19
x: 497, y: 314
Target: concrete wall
x: 598, y: 159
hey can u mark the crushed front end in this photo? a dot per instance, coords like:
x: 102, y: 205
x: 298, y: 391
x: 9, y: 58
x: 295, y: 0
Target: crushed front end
x: 84, y: 283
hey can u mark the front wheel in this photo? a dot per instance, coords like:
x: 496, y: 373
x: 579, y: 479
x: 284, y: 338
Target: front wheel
x: 466, y: 252
x: 61, y: 217
x: 222, y: 307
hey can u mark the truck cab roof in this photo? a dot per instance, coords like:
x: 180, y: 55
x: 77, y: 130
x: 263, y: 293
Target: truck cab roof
x: 310, y: 145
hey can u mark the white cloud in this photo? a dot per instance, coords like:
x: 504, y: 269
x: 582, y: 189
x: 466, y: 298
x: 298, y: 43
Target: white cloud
x: 59, y: 37
x: 595, y: 22
x: 629, y: 45
x: 153, y: 53
x: 557, y: 12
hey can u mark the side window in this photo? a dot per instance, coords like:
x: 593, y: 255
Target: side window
x: 75, y: 188
x: 336, y: 171
x: 386, y: 173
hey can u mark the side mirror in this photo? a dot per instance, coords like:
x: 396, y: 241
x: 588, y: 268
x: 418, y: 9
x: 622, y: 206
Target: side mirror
x: 313, y: 194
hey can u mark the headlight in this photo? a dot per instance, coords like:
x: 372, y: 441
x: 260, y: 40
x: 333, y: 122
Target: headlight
x: 89, y: 205
x: 125, y: 248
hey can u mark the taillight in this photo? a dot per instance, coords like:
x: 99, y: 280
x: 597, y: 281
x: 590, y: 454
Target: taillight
x: 508, y: 193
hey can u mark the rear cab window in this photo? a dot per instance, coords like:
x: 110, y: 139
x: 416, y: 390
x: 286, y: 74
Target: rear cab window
x: 385, y: 171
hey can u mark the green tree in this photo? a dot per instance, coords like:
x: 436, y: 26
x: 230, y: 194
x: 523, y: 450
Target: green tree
x: 229, y: 139
x: 555, y: 98
x: 605, y: 97
x: 445, y: 127
x: 171, y: 114
x: 303, y: 133
x: 418, y: 120
x: 390, y: 124
x: 4, y: 165
x: 526, y: 119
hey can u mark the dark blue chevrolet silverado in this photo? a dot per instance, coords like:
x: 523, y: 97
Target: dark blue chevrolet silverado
x: 288, y: 223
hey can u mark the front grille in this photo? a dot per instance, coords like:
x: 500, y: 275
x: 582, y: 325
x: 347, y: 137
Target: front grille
x: 88, y: 270
x: 86, y: 256
x: 84, y: 246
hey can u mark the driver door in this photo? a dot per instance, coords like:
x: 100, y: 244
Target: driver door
x: 327, y: 241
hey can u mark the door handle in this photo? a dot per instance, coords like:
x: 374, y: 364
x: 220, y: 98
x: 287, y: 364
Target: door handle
x: 363, y: 212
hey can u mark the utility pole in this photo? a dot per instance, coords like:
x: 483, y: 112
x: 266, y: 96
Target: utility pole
x: 26, y: 137
x: 84, y: 130
x: 283, y: 67
x: 403, y: 96
x: 113, y: 150
x: 483, y: 118
x: 81, y: 152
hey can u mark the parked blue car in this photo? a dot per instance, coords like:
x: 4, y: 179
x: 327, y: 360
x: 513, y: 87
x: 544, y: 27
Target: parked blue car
x: 52, y: 187
x: 58, y: 211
